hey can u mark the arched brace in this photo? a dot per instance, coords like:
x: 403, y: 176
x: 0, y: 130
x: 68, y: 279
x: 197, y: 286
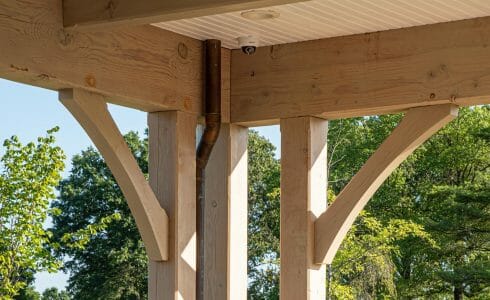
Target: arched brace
x: 416, y: 127
x: 90, y: 110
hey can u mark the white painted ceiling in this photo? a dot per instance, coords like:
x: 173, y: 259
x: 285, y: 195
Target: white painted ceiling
x: 318, y: 19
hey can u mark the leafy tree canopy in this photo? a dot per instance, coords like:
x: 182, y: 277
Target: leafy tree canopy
x: 423, y: 235
x: 28, y: 177
x: 54, y: 294
x: 96, y: 231
x: 28, y: 293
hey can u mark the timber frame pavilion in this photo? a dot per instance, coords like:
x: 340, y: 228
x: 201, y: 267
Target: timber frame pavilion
x: 317, y: 60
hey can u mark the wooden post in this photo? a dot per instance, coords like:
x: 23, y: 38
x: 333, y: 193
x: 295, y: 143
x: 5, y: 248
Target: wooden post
x: 226, y: 217
x: 172, y: 169
x: 303, y: 199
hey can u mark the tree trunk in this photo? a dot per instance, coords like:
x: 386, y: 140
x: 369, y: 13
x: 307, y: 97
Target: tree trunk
x: 458, y: 293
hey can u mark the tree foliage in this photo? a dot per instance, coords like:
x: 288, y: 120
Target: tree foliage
x: 442, y: 188
x: 363, y: 267
x: 29, y: 175
x: 263, y: 216
x: 424, y: 234
x: 54, y: 294
x: 28, y: 293
x: 454, y: 205
x: 96, y: 233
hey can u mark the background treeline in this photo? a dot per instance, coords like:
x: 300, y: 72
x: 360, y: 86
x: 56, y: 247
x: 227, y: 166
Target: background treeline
x: 424, y: 235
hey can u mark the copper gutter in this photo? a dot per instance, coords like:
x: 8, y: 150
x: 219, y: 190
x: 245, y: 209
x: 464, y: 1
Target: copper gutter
x: 212, y: 62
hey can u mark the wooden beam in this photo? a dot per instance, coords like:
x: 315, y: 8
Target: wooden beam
x: 152, y: 221
x: 143, y: 67
x: 417, y: 126
x: 303, y: 199
x: 225, y: 232
x: 172, y: 168
x: 366, y: 74
x: 97, y: 13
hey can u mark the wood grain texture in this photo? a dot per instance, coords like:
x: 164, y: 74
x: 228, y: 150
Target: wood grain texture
x: 225, y: 84
x: 102, y: 13
x: 143, y: 67
x: 238, y: 214
x: 172, y: 170
x: 152, y: 221
x: 417, y: 126
x: 303, y: 199
x: 226, y: 217
x: 366, y: 74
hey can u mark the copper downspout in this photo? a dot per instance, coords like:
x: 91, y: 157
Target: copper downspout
x: 212, y: 101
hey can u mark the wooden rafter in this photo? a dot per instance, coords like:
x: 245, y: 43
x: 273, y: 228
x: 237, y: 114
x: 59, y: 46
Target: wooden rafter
x: 101, y: 13
x: 365, y: 74
x: 416, y: 127
x: 152, y: 221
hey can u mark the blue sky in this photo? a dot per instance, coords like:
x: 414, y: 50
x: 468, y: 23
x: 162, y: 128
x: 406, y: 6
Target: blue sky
x: 28, y: 112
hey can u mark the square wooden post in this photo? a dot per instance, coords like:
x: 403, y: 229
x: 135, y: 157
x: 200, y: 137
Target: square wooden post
x: 303, y: 199
x: 226, y: 217
x: 172, y: 169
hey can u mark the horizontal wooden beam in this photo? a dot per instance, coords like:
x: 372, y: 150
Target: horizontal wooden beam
x: 143, y: 67
x: 100, y: 13
x: 364, y: 74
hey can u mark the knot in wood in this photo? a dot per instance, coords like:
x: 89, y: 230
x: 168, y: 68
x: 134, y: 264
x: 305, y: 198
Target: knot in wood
x: 183, y: 51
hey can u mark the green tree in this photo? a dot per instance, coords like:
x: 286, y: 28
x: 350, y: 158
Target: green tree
x: 407, y: 243
x: 455, y: 203
x: 363, y: 267
x: 461, y: 225
x: 29, y: 175
x: 263, y: 215
x: 105, y: 255
x: 423, y: 190
x: 54, y: 294
x: 28, y: 293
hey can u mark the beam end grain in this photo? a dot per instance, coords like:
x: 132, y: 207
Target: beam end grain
x: 91, y: 112
x: 418, y: 125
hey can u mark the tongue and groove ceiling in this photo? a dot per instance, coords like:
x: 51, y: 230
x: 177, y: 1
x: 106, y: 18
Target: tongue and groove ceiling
x: 317, y: 19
